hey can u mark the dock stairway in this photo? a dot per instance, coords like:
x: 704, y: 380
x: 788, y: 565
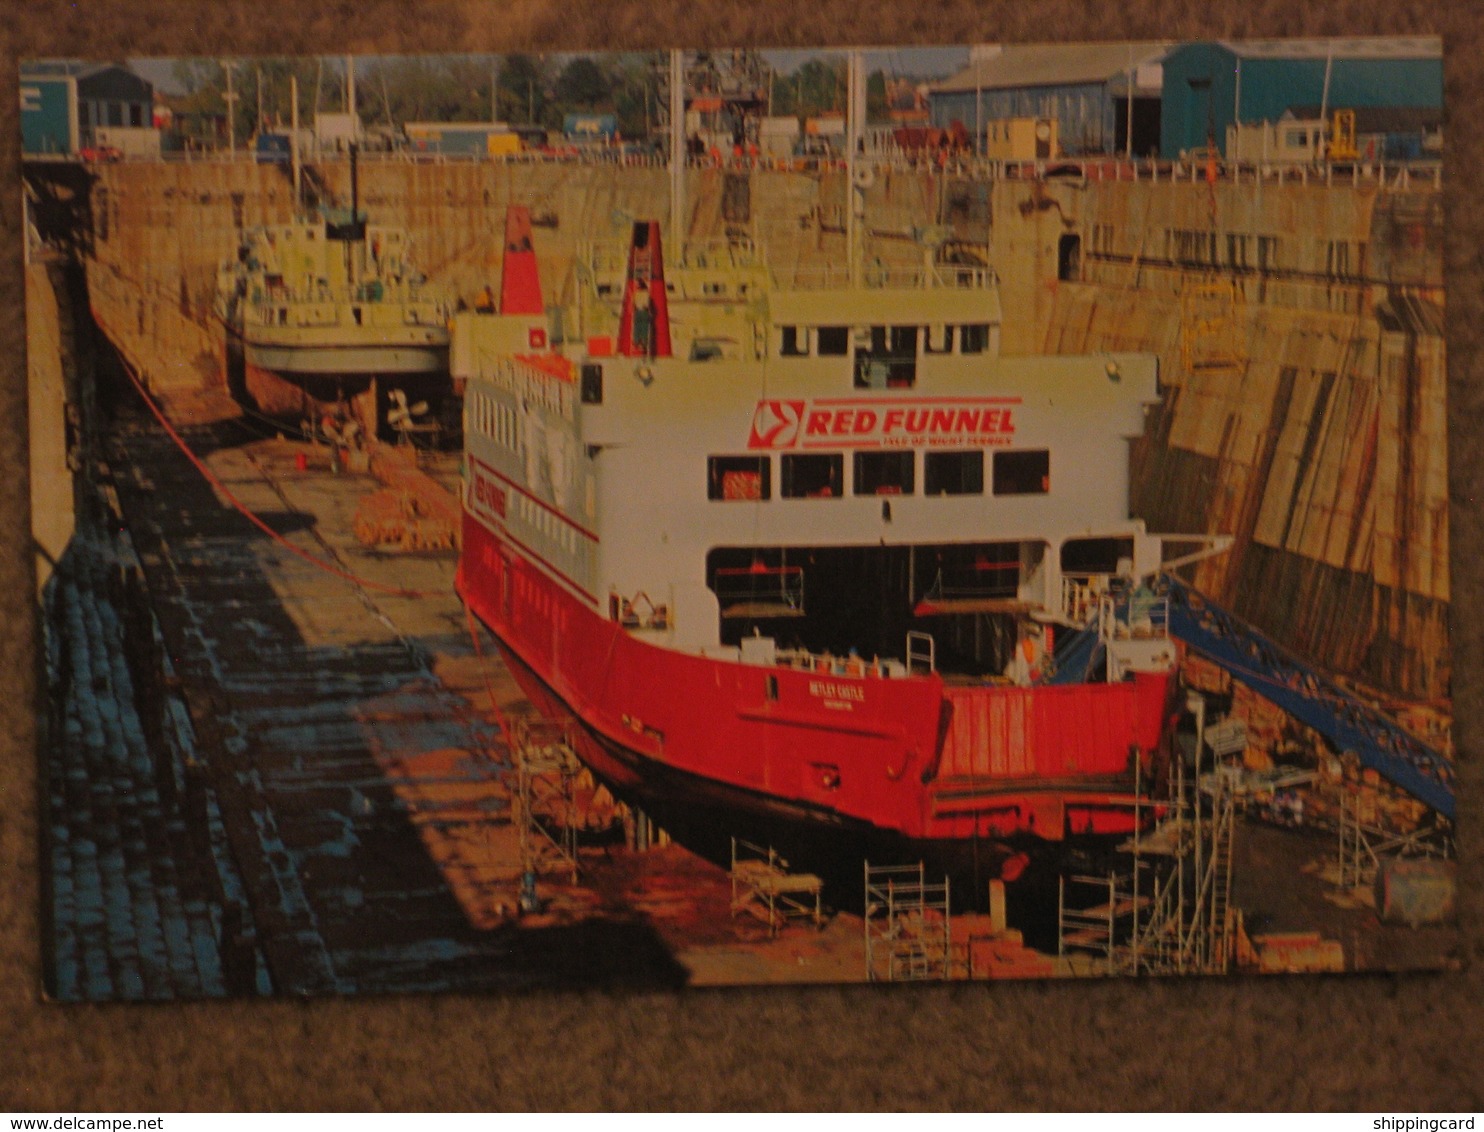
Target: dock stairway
x: 1188, y: 926
x: 1281, y: 677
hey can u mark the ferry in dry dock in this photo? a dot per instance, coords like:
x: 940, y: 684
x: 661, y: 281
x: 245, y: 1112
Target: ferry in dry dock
x: 807, y: 562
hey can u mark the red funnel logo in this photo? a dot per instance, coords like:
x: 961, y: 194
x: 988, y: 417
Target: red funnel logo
x: 776, y: 424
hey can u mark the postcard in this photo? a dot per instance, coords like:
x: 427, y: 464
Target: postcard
x: 740, y: 517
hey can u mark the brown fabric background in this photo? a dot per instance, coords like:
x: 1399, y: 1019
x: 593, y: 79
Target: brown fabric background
x: 1373, y: 1043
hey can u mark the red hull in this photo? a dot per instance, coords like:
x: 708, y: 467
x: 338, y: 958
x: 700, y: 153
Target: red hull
x: 906, y: 757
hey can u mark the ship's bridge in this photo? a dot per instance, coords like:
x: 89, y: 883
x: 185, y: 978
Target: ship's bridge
x: 725, y: 303
x: 803, y: 496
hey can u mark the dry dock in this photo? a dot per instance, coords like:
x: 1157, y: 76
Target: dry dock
x: 275, y: 760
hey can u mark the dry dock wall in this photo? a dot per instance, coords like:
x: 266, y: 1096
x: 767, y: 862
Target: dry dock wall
x: 1322, y: 448
x: 1319, y: 442
x: 52, y: 509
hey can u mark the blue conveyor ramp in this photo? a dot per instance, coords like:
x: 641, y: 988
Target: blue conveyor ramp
x: 1280, y: 676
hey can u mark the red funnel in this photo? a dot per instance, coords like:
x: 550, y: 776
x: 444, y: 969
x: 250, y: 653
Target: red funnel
x: 520, y: 281
x: 644, y: 322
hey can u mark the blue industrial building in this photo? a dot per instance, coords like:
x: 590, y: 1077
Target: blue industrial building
x: 64, y: 101
x: 1210, y: 86
x: 1088, y: 88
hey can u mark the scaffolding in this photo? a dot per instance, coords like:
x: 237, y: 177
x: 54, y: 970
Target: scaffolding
x: 1188, y: 926
x: 1169, y: 911
x: 1363, y: 846
x: 545, y: 799
x: 763, y: 887
x: 1101, y: 927
x: 1357, y: 859
x: 909, y: 935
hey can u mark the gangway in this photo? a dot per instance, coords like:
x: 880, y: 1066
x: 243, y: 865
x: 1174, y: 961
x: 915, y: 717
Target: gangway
x: 1313, y: 699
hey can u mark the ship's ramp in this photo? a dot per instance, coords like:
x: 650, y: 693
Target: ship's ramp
x: 1281, y: 677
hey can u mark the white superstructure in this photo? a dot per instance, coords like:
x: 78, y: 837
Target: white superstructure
x: 789, y: 420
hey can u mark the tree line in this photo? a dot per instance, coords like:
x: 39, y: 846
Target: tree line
x: 521, y: 89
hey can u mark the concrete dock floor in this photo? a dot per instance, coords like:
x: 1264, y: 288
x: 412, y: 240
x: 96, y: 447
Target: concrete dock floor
x: 359, y: 770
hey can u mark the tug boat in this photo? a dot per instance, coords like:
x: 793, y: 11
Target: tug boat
x: 806, y: 562
x: 314, y: 312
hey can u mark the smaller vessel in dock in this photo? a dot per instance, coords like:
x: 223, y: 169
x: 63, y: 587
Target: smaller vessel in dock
x: 317, y: 310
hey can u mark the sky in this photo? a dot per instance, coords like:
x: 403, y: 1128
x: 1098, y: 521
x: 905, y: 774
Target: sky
x: 916, y: 62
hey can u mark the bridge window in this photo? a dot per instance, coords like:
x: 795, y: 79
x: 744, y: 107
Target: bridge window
x: 974, y: 338
x: 793, y: 341
x: 738, y: 477
x: 833, y: 341
x: 1022, y: 473
x: 886, y: 358
x: 1236, y: 250
x: 884, y: 473
x: 938, y: 340
x: 812, y: 476
x: 953, y: 473
x: 1069, y: 258
x: 1084, y: 556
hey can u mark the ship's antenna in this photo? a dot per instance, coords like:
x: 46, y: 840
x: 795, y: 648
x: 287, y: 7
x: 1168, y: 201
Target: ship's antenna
x: 854, y: 112
x: 677, y: 154
x: 294, y: 144
x: 350, y: 97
